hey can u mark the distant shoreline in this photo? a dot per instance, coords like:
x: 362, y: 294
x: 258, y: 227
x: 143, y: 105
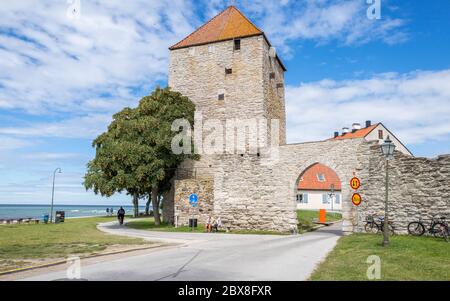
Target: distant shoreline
x: 15, y: 212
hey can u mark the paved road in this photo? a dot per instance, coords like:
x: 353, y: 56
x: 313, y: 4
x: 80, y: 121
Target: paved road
x: 214, y: 257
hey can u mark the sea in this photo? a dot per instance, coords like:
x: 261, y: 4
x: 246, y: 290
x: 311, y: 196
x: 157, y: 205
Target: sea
x: 71, y: 211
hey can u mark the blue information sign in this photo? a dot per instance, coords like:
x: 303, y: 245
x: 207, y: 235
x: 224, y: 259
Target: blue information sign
x: 193, y: 200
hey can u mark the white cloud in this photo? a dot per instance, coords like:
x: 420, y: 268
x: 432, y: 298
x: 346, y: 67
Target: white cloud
x: 88, y: 126
x: 416, y: 106
x: 9, y: 143
x: 45, y: 156
x: 52, y: 63
x: 344, y: 21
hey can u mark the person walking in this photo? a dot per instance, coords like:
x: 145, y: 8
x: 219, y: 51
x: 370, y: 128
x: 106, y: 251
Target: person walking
x: 121, y: 215
x: 217, y: 224
x: 107, y: 212
x: 209, y: 224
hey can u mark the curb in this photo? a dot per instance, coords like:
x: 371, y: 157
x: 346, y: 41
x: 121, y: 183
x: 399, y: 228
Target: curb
x: 47, y: 265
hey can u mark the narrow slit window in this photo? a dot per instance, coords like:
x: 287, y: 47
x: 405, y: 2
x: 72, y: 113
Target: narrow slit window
x: 221, y: 96
x: 228, y: 71
x: 237, y: 44
x: 272, y: 75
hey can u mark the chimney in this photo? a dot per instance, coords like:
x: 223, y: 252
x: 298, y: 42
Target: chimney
x: 356, y: 127
x: 368, y: 123
x: 336, y: 134
x: 345, y: 130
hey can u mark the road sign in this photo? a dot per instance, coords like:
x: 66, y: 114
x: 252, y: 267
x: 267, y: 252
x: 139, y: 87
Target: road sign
x: 356, y: 199
x: 355, y: 183
x: 193, y: 200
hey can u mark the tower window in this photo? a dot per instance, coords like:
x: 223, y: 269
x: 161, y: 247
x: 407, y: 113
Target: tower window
x: 279, y: 86
x: 221, y: 96
x: 272, y: 75
x: 228, y: 71
x: 237, y: 44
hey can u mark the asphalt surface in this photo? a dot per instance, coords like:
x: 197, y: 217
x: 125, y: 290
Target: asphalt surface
x: 209, y: 257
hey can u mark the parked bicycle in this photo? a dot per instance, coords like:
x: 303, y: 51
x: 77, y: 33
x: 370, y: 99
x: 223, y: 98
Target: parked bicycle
x: 438, y: 228
x: 377, y: 226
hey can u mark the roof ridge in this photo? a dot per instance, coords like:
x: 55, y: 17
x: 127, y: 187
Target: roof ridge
x: 198, y: 29
x: 245, y: 17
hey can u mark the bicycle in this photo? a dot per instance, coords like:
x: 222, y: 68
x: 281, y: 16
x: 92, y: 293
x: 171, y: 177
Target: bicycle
x: 375, y: 227
x: 438, y: 228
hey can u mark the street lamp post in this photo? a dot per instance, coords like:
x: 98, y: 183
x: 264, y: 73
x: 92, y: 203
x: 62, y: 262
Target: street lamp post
x: 332, y: 195
x: 58, y: 170
x: 387, y: 148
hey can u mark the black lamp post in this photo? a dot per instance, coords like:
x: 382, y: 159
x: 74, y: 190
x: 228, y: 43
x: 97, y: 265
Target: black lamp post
x: 387, y: 148
x: 58, y: 170
x: 331, y: 195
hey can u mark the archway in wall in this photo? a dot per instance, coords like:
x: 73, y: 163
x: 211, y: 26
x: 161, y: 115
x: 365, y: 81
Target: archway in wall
x: 318, y: 187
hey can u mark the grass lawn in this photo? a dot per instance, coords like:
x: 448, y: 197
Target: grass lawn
x: 149, y: 224
x: 306, y: 218
x: 407, y: 258
x: 19, y: 243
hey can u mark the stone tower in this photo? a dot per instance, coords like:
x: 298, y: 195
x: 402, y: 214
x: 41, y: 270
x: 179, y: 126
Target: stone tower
x: 229, y: 70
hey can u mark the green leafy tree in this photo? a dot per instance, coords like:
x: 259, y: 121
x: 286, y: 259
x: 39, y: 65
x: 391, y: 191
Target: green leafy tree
x: 136, y: 154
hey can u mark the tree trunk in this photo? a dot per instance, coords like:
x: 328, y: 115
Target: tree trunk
x: 147, y: 206
x: 155, y: 203
x: 135, y: 206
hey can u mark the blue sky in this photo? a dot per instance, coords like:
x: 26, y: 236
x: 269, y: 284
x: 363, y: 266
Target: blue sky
x: 62, y: 75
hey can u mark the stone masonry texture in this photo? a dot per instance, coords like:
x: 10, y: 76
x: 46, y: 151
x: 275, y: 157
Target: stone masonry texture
x: 257, y: 191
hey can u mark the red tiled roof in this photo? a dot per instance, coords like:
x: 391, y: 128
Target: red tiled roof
x: 310, y: 180
x: 227, y: 25
x: 357, y: 134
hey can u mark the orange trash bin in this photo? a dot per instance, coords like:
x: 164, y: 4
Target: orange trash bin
x: 322, y: 216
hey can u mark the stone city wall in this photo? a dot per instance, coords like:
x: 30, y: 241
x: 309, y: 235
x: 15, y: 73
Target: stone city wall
x: 418, y: 188
x: 259, y: 192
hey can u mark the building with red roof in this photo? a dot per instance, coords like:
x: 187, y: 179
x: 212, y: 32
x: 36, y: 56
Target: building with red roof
x: 319, y: 187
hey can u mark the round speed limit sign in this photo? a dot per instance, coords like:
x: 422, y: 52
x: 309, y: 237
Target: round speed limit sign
x: 355, y: 183
x: 356, y: 199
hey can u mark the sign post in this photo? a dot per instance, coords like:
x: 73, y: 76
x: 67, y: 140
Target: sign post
x: 193, y: 201
x: 355, y: 184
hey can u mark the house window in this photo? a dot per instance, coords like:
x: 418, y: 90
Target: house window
x: 321, y: 177
x: 325, y: 199
x: 221, y: 96
x: 228, y: 71
x: 237, y: 44
x: 302, y: 198
x: 380, y: 134
x: 337, y: 198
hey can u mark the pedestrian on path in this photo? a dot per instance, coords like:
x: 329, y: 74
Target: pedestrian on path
x: 209, y: 224
x: 217, y: 224
x: 121, y: 215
